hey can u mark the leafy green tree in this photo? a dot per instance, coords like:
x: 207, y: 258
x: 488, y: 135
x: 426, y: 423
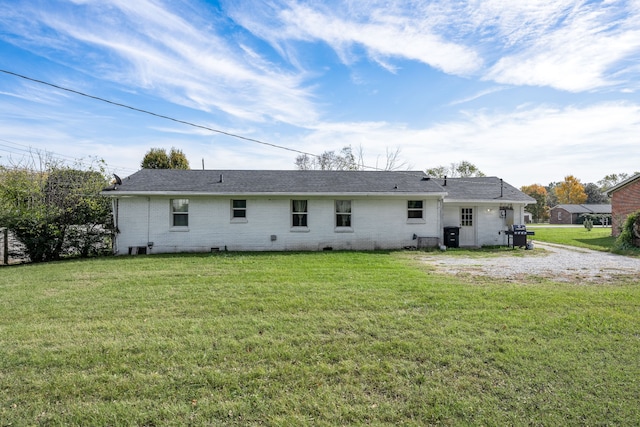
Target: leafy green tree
x: 464, y: 169
x: 539, y: 211
x: 157, y: 158
x: 177, y: 159
x: 570, y: 191
x: 595, y: 195
x: 55, y: 212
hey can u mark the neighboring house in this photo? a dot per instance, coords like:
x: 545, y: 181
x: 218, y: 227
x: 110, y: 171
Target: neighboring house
x: 575, y: 214
x: 625, y: 199
x: 165, y: 210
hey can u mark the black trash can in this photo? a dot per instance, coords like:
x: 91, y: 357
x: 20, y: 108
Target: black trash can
x: 452, y: 237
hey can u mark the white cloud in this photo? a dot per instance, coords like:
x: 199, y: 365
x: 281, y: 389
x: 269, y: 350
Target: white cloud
x: 383, y: 36
x: 571, y: 45
x: 179, y: 57
x: 382, y: 29
x: 529, y: 145
x: 581, y: 52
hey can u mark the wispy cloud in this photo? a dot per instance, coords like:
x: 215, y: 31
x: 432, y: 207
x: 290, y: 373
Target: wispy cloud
x: 477, y: 95
x: 582, y: 49
x: 179, y: 55
x: 571, y: 45
x: 381, y: 30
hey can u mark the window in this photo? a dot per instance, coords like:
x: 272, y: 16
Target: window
x: 299, y: 213
x: 180, y: 212
x: 238, y: 209
x: 343, y: 213
x: 466, y: 217
x: 414, y: 209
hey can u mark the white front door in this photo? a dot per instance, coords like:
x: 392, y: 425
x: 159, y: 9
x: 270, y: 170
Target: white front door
x: 467, y: 227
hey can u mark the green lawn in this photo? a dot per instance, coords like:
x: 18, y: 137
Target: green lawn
x: 310, y: 339
x: 598, y: 238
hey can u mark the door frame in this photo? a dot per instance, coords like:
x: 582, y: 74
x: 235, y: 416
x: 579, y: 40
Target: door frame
x: 468, y: 225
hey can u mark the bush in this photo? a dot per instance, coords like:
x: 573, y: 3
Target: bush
x: 630, y: 235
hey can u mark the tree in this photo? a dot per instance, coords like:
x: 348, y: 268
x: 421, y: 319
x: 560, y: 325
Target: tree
x: 55, y: 211
x: 539, y: 211
x: 595, y: 195
x: 393, y: 161
x: 612, y: 180
x: 177, y: 159
x: 464, y: 169
x: 552, y: 198
x: 157, y: 158
x: 570, y: 191
x: 329, y: 160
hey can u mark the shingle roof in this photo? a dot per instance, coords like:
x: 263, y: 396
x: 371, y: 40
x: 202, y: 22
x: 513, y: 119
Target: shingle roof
x: 275, y: 182
x: 580, y: 209
x: 482, y: 189
x: 175, y: 181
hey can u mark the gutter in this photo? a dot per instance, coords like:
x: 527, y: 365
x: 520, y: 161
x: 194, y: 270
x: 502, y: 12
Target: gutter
x: 123, y: 194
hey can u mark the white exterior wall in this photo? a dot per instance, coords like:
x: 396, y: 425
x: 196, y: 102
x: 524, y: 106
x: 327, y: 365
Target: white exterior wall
x: 377, y: 223
x: 489, y: 226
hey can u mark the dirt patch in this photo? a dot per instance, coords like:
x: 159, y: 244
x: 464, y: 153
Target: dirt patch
x: 559, y: 263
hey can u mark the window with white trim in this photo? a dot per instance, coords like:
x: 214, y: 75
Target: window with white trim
x: 343, y: 213
x: 179, y: 212
x: 299, y: 213
x: 238, y: 209
x: 415, y: 209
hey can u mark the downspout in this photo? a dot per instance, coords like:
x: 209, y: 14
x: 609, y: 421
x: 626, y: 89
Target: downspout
x: 115, y: 205
x: 148, y: 221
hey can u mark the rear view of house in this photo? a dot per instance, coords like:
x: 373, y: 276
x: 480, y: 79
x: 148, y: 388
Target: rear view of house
x: 164, y: 210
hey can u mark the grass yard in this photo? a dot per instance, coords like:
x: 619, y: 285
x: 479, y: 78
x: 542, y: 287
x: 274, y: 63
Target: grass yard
x: 598, y: 238
x: 310, y: 339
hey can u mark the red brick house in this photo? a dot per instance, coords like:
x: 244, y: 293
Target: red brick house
x: 625, y: 199
x: 575, y: 214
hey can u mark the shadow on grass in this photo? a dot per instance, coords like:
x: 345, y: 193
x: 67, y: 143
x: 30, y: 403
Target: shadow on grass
x: 606, y: 243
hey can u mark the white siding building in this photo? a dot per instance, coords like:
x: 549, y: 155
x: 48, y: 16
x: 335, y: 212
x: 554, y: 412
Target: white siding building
x: 160, y: 211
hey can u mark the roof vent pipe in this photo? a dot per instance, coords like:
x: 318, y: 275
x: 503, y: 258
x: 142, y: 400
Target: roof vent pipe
x: 221, y: 178
x: 501, y: 187
x: 445, y: 180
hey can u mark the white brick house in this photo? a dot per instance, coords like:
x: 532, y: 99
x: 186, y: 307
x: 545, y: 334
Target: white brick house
x: 159, y: 211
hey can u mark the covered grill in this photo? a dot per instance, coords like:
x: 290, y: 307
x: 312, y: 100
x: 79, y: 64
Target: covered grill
x: 517, y: 236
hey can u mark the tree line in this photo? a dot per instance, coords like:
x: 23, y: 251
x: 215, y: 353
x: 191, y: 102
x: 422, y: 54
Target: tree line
x: 571, y: 191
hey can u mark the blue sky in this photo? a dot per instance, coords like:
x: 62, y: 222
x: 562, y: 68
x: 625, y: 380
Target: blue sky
x: 527, y: 91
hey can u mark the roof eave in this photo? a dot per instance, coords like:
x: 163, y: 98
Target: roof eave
x: 487, y: 201
x: 120, y: 194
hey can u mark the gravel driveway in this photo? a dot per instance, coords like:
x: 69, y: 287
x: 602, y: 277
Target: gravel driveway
x: 561, y: 263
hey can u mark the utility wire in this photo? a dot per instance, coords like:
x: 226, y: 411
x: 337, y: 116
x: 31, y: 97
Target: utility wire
x: 162, y: 116
x: 29, y: 150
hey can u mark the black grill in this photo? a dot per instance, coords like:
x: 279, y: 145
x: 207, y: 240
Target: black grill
x: 517, y: 236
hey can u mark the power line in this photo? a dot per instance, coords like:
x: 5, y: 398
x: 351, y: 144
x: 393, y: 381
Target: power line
x: 15, y: 148
x: 162, y: 116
